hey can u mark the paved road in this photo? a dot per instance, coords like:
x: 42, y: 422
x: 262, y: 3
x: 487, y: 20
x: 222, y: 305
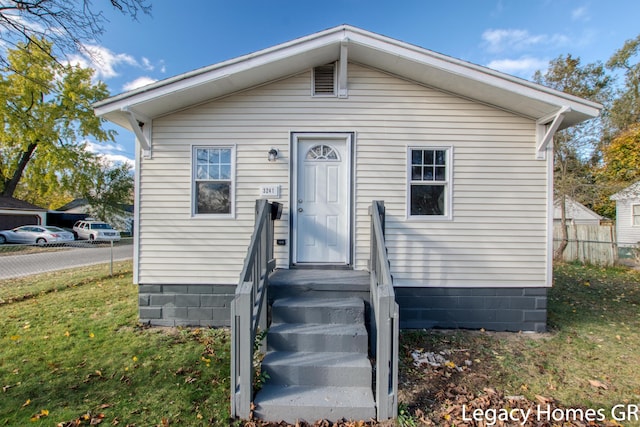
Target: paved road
x: 12, y: 266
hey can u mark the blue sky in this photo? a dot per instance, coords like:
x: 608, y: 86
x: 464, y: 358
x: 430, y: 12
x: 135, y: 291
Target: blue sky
x: 513, y: 36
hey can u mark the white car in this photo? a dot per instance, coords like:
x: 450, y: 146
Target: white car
x: 36, y: 234
x: 95, y: 231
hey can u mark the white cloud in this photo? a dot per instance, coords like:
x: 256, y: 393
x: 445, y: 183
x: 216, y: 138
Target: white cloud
x: 112, y: 153
x: 139, y: 82
x: 146, y: 64
x: 103, y: 60
x: 580, y: 14
x: 119, y: 159
x: 501, y: 40
x: 523, y: 67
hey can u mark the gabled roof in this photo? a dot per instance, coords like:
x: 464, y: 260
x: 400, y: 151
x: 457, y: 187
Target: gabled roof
x: 392, y: 56
x: 630, y: 192
x: 84, y: 203
x: 18, y: 205
x: 75, y: 203
x: 574, y: 210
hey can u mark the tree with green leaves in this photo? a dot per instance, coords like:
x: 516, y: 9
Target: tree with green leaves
x: 110, y: 191
x: 573, y: 147
x: 46, y: 110
x: 68, y: 24
x: 620, y: 146
x: 625, y: 110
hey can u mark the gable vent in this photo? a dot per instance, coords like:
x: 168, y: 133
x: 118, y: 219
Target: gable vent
x: 324, y: 79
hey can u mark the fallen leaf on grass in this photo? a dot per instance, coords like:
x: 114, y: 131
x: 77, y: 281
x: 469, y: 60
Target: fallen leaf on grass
x: 27, y: 403
x: 87, y: 419
x: 43, y: 413
x: 543, y: 400
x: 598, y: 384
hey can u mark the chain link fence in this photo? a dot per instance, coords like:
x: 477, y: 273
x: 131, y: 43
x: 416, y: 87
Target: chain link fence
x: 25, y: 260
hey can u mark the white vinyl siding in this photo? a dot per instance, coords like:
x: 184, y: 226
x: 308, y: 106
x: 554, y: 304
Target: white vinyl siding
x: 627, y: 230
x: 498, y: 232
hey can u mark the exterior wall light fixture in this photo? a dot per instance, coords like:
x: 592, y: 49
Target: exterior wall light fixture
x: 273, y: 154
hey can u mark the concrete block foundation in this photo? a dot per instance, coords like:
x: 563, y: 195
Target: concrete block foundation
x: 185, y: 305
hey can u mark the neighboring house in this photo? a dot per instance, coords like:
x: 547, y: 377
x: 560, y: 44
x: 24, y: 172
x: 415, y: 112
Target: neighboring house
x: 575, y: 213
x: 628, y: 215
x: 14, y: 213
x: 460, y: 154
x: 78, y: 209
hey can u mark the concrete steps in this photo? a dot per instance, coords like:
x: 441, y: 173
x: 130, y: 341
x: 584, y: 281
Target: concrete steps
x: 293, y: 403
x: 318, y: 337
x: 317, y: 362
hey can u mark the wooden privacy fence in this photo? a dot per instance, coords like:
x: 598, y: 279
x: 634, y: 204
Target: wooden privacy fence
x: 588, y: 243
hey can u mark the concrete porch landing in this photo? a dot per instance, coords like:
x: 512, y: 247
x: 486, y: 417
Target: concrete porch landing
x: 321, y: 279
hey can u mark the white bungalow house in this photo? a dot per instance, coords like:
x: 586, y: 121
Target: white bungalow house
x: 324, y: 125
x: 628, y: 215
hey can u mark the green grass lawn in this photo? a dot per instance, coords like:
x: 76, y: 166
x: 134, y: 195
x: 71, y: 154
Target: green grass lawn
x: 590, y: 358
x: 78, y: 353
x: 71, y: 350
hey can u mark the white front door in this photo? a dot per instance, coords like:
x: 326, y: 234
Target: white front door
x: 322, y: 200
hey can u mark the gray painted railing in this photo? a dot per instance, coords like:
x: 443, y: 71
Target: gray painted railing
x: 384, y: 319
x: 249, y: 310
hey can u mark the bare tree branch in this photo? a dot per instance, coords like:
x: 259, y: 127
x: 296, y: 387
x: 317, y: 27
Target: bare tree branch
x: 69, y: 24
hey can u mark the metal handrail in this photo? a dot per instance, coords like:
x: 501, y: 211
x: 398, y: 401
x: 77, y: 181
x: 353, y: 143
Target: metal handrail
x: 384, y: 319
x: 249, y: 310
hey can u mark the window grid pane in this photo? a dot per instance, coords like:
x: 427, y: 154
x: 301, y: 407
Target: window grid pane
x: 213, y: 163
x: 428, y: 199
x: 429, y: 165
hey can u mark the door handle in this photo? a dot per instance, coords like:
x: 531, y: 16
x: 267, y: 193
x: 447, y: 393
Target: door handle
x: 300, y: 209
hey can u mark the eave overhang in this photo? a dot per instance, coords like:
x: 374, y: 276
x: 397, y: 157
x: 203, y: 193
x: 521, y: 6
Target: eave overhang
x: 404, y: 60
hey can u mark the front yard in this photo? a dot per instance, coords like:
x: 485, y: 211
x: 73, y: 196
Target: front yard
x: 73, y: 354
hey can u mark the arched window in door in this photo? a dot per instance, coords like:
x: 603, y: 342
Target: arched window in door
x: 322, y: 152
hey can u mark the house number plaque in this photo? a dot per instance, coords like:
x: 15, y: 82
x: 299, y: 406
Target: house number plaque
x: 270, y: 191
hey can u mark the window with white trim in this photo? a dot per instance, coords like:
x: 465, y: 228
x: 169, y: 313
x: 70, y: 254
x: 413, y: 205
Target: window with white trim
x: 213, y: 180
x: 635, y: 213
x: 429, y: 192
